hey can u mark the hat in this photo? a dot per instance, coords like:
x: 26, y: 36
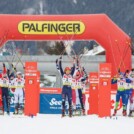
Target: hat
x: 78, y: 73
x: 18, y: 73
x: 67, y: 68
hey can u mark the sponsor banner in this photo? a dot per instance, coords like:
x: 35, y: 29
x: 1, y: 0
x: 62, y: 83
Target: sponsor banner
x: 51, y: 27
x: 50, y: 90
x: 31, y: 88
x: 93, y: 98
x: 50, y: 103
x: 104, y: 90
x: 55, y: 90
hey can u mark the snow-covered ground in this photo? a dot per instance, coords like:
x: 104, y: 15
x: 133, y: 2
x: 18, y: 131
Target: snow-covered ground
x: 54, y: 124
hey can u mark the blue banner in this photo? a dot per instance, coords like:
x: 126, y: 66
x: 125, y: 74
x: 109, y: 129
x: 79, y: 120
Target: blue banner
x: 50, y: 103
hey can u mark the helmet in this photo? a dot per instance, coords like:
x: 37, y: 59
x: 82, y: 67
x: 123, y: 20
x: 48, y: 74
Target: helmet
x: 67, y: 68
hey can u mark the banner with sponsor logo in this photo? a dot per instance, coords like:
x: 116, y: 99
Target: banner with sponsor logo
x: 51, y: 27
x: 50, y: 103
x: 104, y: 104
x: 31, y: 88
x: 93, y: 98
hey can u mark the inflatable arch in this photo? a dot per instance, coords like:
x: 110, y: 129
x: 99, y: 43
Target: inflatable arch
x: 96, y: 27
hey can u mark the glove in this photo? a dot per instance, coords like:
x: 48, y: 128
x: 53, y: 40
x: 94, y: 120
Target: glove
x: 3, y: 64
x: 119, y: 70
x: 132, y: 69
x: 127, y: 71
x: 60, y: 57
x: 83, y: 68
x: 77, y: 62
x: 12, y: 65
x: 56, y: 61
x: 74, y: 57
x: 15, y: 69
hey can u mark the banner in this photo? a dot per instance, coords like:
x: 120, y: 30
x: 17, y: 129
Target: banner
x: 93, y: 97
x: 50, y: 103
x: 31, y: 88
x: 104, y: 104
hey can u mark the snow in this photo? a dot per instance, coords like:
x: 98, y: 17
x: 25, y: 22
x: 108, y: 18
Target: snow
x: 54, y: 124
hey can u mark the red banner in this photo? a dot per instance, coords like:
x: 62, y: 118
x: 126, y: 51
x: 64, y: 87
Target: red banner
x: 31, y: 89
x: 93, y: 97
x: 104, y: 105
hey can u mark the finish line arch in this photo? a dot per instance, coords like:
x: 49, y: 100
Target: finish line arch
x: 98, y: 27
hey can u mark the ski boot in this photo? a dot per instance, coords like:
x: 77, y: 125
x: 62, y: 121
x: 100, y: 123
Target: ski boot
x: 20, y: 109
x: 83, y: 112
x: 63, y: 113
x: 1, y: 111
x: 15, y: 112
x: 70, y: 112
x: 16, y: 108
x: 124, y: 113
x: 8, y: 113
x: 130, y: 113
x: 78, y: 112
x: 115, y: 112
x: 74, y: 112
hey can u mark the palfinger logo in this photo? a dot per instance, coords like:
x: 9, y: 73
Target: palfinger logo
x: 51, y: 27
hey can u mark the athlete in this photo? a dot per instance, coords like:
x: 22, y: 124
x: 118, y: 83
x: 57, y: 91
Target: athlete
x: 4, y: 82
x: 131, y: 108
x: 84, y: 90
x: 121, y: 81
x: 67, y: 76
x: 1, y: 105
x: 18, y: 82
x: 74, y: 93
x: 128, y: 87
x: 81, y: 76
x: 5, y: 93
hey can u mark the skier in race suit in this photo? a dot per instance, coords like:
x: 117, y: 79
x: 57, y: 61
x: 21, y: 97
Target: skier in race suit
x: 18, y: 82
x: 131, y: 108
x: 128, y: 87
x: 1, y: 106
x: 80, y: 78
x: 67, y: 76
x: 120, y: 81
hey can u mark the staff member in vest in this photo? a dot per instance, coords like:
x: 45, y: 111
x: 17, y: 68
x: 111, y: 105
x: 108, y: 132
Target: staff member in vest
x: 67, y: 75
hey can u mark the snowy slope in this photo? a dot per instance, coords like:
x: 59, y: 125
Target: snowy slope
x: 54, y: 124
